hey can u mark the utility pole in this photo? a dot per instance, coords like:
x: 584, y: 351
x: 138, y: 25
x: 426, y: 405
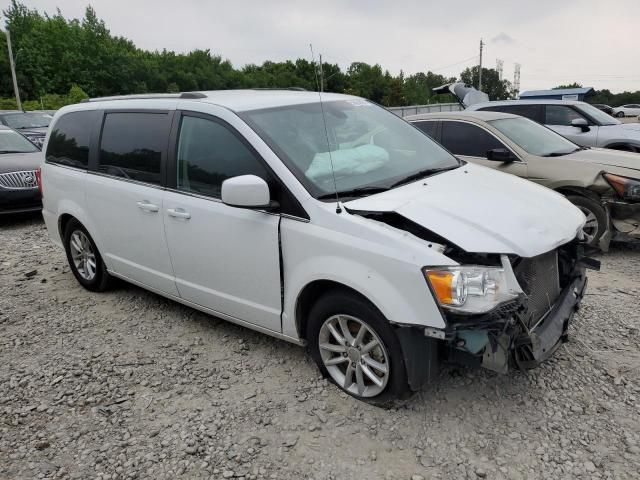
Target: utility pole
x: 480, y: 69
x: 13, y: 71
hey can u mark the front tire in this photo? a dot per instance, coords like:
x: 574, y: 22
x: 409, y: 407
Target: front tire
x: 356, y: 348
x: 597, y: 222
x: 84, y: 258
x: 620, y: 114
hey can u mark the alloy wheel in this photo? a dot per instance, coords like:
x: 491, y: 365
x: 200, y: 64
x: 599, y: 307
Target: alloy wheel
x: 84, y: 258
x: 354, y: 355
x: 591, y: 227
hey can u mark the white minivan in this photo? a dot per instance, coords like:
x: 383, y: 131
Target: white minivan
x: 332, y: 224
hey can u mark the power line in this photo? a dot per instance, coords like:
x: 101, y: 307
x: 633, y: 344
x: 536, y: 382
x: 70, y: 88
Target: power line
x: 433, y: 70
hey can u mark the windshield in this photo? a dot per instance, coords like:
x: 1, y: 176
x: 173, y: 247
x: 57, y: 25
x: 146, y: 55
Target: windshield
x: 369, y: 146
x: 27, y: 120
x: 13, y: 142
x: 533, y: 137
x: 599, y: 116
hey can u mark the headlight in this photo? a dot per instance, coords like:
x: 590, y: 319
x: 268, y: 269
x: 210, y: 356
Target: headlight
x: 627, y: 188
x: 469, y: 289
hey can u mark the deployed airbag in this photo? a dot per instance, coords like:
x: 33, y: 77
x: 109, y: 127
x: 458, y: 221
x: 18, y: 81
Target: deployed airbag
x: 358, y: 160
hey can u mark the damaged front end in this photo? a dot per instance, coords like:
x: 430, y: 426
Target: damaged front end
x: 526, y: 330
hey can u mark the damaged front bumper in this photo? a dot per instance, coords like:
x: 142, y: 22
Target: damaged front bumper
x: 527, y: 348
x: 625, y: 218
x: 508, y: 336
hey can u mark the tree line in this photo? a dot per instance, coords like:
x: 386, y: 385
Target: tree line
x: 60, y: 61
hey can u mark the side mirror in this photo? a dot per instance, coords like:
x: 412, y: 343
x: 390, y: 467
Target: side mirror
x: 500, y: 155
x: 246, y: 191
x: 580, y: 123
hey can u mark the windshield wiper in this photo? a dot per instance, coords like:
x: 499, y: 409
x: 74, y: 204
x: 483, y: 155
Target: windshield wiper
x: 14, y: 151
x: 354, y: 192
x: 422, y: 174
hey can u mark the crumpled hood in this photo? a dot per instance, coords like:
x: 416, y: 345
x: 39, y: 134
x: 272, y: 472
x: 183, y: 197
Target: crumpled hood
x: 483, y: 211
x: 607, y: 157
x: 15, y: 162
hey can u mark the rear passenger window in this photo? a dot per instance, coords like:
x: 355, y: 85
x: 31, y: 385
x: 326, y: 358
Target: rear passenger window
x: 69, y: 140
x: 133, y: 144
x: 428, y: 127
x: 462, y: 138
x: 209, y: 153
x: 532, y: 112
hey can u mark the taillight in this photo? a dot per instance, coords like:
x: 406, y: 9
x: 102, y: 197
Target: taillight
x: 39, y: 180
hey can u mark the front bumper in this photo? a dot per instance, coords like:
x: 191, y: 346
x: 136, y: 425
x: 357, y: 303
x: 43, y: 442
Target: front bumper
x: 508, y: 336
x: 20, y: 201
x: 625, y: 218
x: 535, y: 346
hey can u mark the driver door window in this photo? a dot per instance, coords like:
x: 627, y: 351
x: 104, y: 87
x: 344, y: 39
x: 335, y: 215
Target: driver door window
x: 473, y: 142
x: 469, y: 140
x: 561, y: 115
x: 209, y: 153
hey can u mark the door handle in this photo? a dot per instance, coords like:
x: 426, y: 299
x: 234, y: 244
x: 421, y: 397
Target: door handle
x: 178, y: 213
x: 147, y: 206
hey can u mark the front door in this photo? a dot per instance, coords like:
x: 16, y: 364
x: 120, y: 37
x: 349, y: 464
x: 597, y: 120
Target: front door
x: 124, y: 197
x: 224, y: 258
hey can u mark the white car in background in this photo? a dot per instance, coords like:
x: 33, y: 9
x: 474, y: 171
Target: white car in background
x: 629, y: 110
x: 580, y: 122
x: 337, y: 225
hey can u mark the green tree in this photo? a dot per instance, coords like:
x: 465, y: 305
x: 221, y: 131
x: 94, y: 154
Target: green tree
x: 76, y: 94
x: 569, y: 85
x: 491, y: 84
x: 418, y: 88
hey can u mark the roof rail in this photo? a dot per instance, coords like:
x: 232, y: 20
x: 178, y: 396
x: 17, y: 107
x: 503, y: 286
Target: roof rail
x: 185, y: 95
x: 192, y: 95
x: 294, y: 89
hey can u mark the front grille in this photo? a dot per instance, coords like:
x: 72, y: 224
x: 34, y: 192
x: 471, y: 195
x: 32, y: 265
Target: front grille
x: 19, y: 180
x: 539, y: 277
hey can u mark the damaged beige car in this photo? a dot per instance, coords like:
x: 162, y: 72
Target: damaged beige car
x: 603, y: 183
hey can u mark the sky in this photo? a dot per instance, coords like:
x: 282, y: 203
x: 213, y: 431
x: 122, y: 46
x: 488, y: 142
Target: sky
x: 592, y: 42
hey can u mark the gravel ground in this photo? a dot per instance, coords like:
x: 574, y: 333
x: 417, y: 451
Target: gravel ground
x: 126, y: 384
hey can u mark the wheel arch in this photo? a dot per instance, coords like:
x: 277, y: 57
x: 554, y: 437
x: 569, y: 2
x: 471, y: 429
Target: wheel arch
x: 70, y: 211
x: 605, y: 238
x: 63, y: 221
x: 623, y: 146
x: 314, y: 290
x: 575, y: 190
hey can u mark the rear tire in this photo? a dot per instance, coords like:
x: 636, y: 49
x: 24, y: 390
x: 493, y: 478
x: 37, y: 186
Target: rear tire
x: 367, y: 364
x: 597, y: 220
x: 620, y: 114
x: 84, y: 258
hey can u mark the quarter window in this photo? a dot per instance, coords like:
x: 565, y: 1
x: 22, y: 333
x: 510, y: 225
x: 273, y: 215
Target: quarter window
x: 463, y: 138
x: 69, y: 140
x: 209, y: 153
x: 561, y: 115
x: 133, y: 144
